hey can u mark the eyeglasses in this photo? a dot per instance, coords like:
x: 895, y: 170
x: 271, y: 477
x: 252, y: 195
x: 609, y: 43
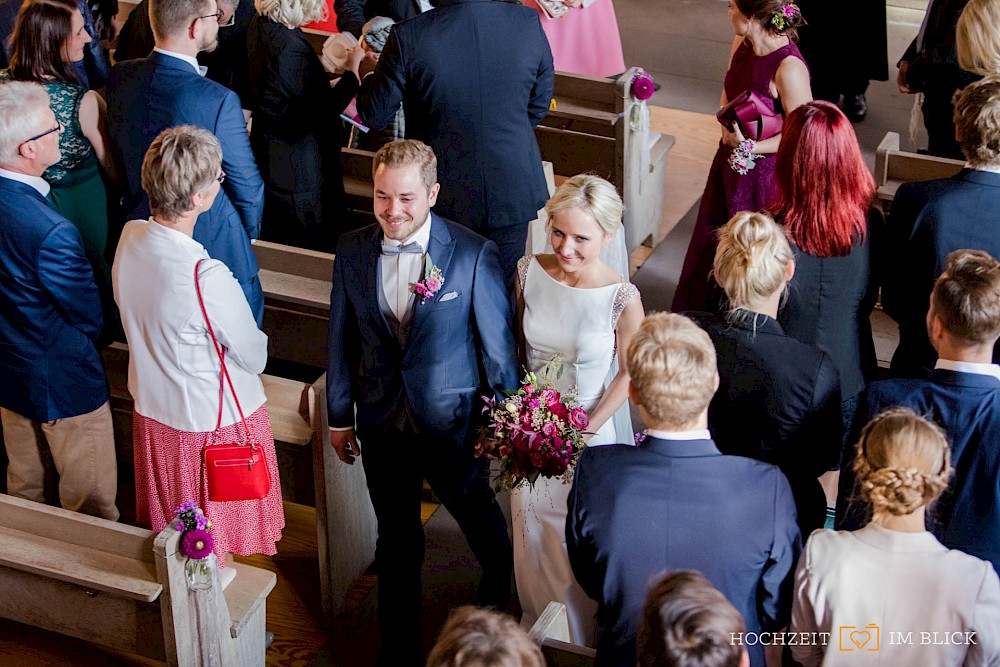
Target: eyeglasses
x: 230, y: 23
x: 221, y: 177
x: 217, y: 16
x: 57, y: 128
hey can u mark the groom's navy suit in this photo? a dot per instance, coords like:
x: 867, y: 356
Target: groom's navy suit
x: 416, y: 388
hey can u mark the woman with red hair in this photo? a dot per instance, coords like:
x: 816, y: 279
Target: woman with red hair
x: 824, y: 201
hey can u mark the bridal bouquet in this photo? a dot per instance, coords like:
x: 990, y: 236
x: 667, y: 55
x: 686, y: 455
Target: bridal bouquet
x: 538, y: 431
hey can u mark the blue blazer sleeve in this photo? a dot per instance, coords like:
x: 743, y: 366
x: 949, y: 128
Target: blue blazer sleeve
x: 581, y: 549
x: 343, y: 347
x: 493, y: 318
x: 66, y: 276
x: 897, y: 273
x: 542, y: 91
x: 382, y: 92
x: 243, y: 183
x: 779, y: 572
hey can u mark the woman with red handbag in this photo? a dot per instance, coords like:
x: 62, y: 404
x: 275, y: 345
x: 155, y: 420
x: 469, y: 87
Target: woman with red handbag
x: 200, y: 428
x: 767, y: 79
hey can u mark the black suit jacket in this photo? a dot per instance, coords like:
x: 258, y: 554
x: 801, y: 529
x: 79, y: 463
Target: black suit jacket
x: 967, y: 407
x: 930, y: 219
x: 778, y: 401
x: 635, y: 512
x: 352, y: 14
x: 475, y: 77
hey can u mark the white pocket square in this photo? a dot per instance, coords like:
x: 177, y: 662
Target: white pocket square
x: 448, y: 297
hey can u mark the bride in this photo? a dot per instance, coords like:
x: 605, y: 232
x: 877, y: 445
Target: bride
x: 570, y: 304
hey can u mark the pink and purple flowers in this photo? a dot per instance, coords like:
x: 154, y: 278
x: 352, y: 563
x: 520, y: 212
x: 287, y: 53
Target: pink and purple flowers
x: 537, y: 431
x: 432, y: 282
x: 196, y: 541
x: 642, y: 85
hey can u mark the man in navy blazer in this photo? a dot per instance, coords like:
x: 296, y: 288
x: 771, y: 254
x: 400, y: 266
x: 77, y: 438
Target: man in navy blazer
x: 475, y: 77
x: 675, y: 502
x: 962, y: 396
x: 53, y: 393
x: 420, y: 329
x: 930, y: 219
x: 167, y: 89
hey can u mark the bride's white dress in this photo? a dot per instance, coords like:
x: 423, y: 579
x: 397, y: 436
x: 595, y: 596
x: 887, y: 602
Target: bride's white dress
x: 578, y: 324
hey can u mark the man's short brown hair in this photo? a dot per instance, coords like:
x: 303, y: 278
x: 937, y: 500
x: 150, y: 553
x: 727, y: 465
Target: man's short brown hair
x: 403, y: 152
x: 966, y: 297
x: 474, y: 637
x: 977, y: 121
x: 671, y: 361
x: 172, y: 17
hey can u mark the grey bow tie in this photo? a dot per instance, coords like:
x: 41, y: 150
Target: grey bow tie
x: 411, y: 247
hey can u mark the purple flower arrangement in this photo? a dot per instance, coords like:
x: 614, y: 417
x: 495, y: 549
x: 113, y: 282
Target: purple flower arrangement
x: 196, y: 541
x: 642, y: 85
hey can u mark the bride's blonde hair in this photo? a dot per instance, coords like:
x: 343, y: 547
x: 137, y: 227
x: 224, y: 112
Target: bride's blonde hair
x: 592, y: 194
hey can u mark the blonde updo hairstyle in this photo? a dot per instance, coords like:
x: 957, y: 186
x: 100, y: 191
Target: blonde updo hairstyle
x: 593, y: 195
x: 751, y: 259
x: 977, y: 37
x: 903, y: 463
x: 292, y: 13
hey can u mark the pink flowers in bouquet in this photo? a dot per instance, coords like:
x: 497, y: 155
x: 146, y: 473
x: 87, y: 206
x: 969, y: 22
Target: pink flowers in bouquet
x: 538, y: 431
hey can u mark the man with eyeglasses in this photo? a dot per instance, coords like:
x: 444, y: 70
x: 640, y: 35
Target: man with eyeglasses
x: 168, y: 88
x: 53, y: 392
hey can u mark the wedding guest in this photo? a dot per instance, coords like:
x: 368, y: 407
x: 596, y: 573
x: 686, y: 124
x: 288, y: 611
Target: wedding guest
x: 962, y: 396
x: 474, y: 637
x: 174, y: 369
x: 166, y: 89
x: 53, y: 393
x: 779, y: 398
x: 977, y: 39
x: 676, y: 502
x: 893, y: 574
x: 297, y: 134
x: 374, y: 35
x: 687, y: 621
x: 353, y: 14
x: 930, y: 219
x: 474, y: 78
x: 824, y: 202
x: 765, y: 62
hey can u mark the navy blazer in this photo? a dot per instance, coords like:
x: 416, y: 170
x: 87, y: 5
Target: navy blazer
x: 353, y: 14
x: 460, y: 344
x: 930, y: 219
x: 967, y: 407
x: 475, y: 77
x: 635, y: 512
x: 50, y: 312
x: 147, y: 96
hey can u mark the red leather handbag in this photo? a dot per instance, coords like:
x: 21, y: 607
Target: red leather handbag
x: 234, y: 471
x: 756, y: 121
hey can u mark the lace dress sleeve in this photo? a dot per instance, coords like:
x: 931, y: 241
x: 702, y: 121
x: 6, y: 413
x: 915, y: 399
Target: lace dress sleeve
x: 522, y: 269
x: 626, y: 293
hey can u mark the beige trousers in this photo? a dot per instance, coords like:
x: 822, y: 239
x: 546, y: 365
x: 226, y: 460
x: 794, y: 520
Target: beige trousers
x: 83, y: 448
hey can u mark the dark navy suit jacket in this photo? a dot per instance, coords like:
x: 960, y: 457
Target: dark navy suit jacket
x: 475, y: 77
x: 967, y: 407
x: 635, y: 512
x: 352, y: 14
x: 930, y: 219
x: 50, y: 312
x: 460, y: 344
x: 149, y: 95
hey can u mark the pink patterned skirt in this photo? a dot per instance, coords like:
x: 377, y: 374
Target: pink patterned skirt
x: 585, y: 41
x: 168, y: 471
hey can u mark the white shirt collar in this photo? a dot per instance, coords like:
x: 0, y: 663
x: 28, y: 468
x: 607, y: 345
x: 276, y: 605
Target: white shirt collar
x: 995, y: 169
x: 968, y: 367
x: 37, y: 182
x: 200, y: 69
x: 701, y: 434
x: 421, y: 236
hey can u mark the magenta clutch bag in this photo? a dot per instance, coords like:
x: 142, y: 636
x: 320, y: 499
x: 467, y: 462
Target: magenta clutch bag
x: 756, y: 121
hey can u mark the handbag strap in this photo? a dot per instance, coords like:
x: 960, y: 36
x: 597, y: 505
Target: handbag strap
x: 224, y: 372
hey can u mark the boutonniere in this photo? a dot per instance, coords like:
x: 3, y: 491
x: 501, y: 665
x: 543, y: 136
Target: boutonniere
x: 432, y: 282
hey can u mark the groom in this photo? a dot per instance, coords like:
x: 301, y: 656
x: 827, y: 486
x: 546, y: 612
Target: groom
x: 420, y: 328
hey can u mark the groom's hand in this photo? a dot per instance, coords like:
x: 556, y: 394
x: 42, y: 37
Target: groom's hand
x: 484, y: 447
x: 345, y: 444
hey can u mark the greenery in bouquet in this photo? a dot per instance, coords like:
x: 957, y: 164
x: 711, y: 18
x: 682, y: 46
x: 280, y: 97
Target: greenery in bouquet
x: 537, y: 430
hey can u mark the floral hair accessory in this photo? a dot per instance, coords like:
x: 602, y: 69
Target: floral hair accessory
x: 780, y: 18
x: 642, y: 85
x: 432, y: 282
x: 742, y: 160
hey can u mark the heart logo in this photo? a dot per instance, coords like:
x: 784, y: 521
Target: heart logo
x: 860, y: 638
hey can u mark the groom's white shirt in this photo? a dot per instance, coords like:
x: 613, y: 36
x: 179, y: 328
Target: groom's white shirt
x: 401, y: 271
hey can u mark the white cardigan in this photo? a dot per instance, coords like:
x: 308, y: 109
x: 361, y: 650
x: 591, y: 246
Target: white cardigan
x: 910, y: 586
x: 173, y: 371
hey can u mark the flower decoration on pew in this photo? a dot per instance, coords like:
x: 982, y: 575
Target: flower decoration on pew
x: 642, y: 85
x: 196, y: 544
x: 432, y: 282
x: 536, y: 430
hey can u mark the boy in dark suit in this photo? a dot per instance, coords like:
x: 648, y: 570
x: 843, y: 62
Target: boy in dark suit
x: 675, y: 502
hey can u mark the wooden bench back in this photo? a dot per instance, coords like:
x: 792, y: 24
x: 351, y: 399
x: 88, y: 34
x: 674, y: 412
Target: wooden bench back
x: 551, y: 633
x: 894, y: 167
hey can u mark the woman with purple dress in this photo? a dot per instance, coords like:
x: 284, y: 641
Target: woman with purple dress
x: 765, y: 61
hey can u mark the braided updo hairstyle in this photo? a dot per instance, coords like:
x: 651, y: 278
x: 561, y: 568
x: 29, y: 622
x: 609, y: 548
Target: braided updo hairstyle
x: 765, y: 11
x: 751, y: 259
x: 903, y: 463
